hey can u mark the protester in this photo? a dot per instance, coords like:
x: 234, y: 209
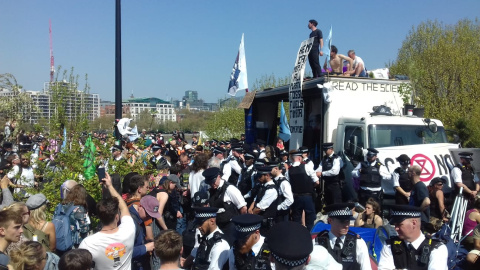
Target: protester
x: 38, y: 225
x: 112, y: 246
x: 10, y: 232
x: 168, y: 248
x: 76, y: 259
x: 31, y: 255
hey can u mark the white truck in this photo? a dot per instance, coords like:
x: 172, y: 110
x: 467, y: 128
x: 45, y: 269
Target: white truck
x: 341, y: 110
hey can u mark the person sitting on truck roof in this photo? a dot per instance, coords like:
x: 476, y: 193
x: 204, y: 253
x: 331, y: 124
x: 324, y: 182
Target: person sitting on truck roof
x: 336, y: 62
x: 358, y: 69
x: 371, y: 174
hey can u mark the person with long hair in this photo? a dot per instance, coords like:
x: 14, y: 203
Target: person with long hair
x: 472, y: 219
x: 200, y: 163
x: 168, y: 208
x: 37, y: 204
x: 31, y: 255
x: 370, y: 217
x: 438, y: 213
x: 77, y: 197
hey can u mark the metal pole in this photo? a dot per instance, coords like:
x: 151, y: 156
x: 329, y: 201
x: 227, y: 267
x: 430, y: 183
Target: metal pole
x: 118, y: 64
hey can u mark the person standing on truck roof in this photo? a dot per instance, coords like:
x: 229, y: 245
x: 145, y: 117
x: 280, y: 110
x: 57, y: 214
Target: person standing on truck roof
x: 336, y: 62
x: 329, y: 171
x: 401, y: 183
x: 358, y: 69
x: 313, y: 56
x: 371, y: 173
x: 464, y: 176
x: 303, y: 181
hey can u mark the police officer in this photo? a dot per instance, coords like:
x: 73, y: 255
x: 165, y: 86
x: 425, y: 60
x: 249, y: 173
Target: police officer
x: 401, y: 183
x: 285, y: 194
x: 212, y: 250
x: 290, y: 245
x: 346, y: 247
x: 236, y: 162
x: 158, y: 161
x: 464, y: 176
x: 303, y: 179
x: 261, y: 149
x: 371, y: 172
x: 411, y: 249
x: 284, y: 161
x: 227, y: 198
x: 329, y: 170
x: 308, y: 162
x: 246, y: 180
x: 265, y: 203
x: 250, y: 250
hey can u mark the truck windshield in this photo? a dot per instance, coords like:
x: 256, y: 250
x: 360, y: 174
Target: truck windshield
x: 396, y: 135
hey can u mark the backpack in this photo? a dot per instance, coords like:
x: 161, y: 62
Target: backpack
x: 71, y: 225
x: 42, y: 237
x: 61, y: 220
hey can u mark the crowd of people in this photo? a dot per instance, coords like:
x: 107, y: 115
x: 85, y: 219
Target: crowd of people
x: 222, y: 204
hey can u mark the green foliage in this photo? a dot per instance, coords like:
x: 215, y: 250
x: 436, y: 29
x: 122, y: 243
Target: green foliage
x: 19, y: 106
x: 405, y: 90
x: 228, y: 122
x: 269, y: 81
x: 442, y: 62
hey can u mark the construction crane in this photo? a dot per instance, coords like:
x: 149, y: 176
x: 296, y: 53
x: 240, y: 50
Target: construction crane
x: 52, y: 64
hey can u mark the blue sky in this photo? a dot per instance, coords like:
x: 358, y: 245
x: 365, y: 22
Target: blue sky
x: 169, y: 47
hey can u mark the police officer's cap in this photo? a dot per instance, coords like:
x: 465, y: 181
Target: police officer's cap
x: 237, y: 147
x: 296, y: 153
x: 248, y: 156
x: 218, y: 150
x: 246, y: 224
x: 156, y: 147
x: 204, y: 213
x: 264, y: 169
x: 466, y: 155
x: 221, y: 143
x: 372, y: 152
x: 303, y: 149
x: 283, y: 153
x: 340, y: 210
x: 327, y: 146
x: 399, y: 213
x: 261, y: 142
x: 214, y: 141
x: 234, y: 140
x: 403, y: 159
x: 7, y: 145
x: 290, y: 243
x: 116, y: 148
x: 211, y: 175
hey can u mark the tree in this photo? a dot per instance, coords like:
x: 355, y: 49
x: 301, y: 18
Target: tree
x: 228, y: 122
x: 19, y: 105
x: 442, y: 61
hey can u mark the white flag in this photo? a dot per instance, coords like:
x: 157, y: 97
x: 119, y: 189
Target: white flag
x: 238, y: 78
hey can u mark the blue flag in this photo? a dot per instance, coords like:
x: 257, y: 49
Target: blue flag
x: 284, y: 132
x: 64, y: 144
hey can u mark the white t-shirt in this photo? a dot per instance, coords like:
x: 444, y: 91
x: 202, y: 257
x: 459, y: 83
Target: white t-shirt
x: 112, y: 251
x: 27, y: 178
x: 357, y: 61
x: 195, y: 180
